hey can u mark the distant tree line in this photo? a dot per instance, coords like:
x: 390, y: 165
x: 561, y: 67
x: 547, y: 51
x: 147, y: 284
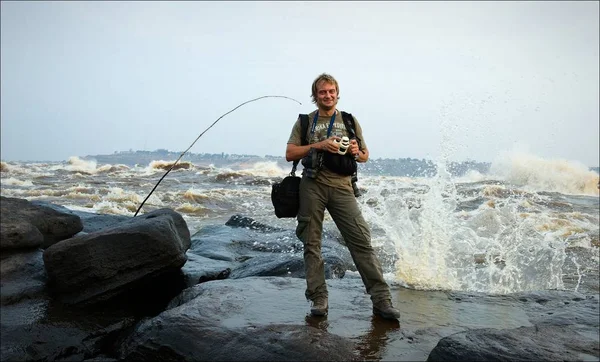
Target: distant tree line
x: 409, y: 167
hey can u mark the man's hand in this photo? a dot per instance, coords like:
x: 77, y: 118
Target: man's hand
x: 328, y: 144
x: 354, y: 148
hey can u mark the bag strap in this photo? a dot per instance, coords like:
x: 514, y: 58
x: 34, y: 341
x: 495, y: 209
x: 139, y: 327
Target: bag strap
x: 304, y: 141
x: 349, y: 123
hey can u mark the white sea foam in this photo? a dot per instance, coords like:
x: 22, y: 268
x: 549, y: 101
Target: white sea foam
x: 25, y: 170
x: 472, y: 176
x: 4, y: 167
x: 538, y: 174
x: 115, y: 208
x: 81, y: 168
x: 76, y: 164
x: 258, y: 169
x: 264, y: 169
x: 166, y: 165
x: 494, y: 249
x: 11, y: 181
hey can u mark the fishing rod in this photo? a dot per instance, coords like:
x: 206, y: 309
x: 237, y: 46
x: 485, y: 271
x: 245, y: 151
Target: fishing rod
x: 197, y: 138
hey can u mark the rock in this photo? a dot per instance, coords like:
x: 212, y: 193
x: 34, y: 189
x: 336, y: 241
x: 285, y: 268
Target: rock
x: 36, y: 336
x: 101, y: 264
x: 177, y: 338
x: 22, y: 276
x: 96, y: 222
x: 226, y: 320
x: 16, y: 233
x: 274, y: 253
x: 249, y: 223
x: 286, y: 265
x: 198, y: 269
x: 19, y: 219
x: 563, y: 331
x: 91, y: 221
x: 538, y: 343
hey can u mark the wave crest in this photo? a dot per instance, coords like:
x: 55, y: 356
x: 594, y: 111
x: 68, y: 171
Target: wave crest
x: 165, y: 165
x: 538, y: 174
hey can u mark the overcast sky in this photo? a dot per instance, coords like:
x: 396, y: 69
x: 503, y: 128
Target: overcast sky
x: 460, y: 80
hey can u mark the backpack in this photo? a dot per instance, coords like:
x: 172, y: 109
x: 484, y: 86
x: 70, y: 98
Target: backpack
x: 342, y: 164
x: 348, y: 122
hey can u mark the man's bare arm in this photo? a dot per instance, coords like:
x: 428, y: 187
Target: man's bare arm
x: 294, y: 152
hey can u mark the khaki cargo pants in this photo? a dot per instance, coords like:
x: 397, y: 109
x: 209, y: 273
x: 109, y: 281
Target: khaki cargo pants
x: 342, y: 206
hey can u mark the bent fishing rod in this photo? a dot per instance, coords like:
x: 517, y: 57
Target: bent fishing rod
x: 197, y: 138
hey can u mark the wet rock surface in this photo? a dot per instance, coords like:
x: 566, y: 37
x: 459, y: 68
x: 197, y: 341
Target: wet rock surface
x: 25, y: 225
x: 565, y: 326
x: 238, y: 294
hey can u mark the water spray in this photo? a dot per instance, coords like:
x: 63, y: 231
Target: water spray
x: 197, y: 138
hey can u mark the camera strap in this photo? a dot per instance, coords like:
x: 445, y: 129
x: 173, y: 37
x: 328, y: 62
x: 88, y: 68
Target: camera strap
x: 314, y: 124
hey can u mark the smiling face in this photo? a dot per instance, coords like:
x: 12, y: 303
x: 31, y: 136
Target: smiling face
x: 327, y: 95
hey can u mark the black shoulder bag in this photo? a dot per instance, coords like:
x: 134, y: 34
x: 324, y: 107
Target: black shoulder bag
x: 285, y: 195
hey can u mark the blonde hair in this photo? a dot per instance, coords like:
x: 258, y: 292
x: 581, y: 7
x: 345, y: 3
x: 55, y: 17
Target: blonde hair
x: 327, y: 78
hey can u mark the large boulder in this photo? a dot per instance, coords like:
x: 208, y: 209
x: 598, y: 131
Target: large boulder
x: 25, y: 225
x: 562, y: 330
x: 254, y: 319
x: 179, y: 338
x: 104, y: 263
x: 537, y: 343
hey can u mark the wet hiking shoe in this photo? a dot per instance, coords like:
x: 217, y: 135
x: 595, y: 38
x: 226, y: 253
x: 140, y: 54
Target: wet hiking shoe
x: 319, y: 306
x: 386, y: 310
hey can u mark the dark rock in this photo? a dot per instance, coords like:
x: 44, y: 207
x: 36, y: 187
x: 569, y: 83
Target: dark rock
x: 16, y: 233
x: 178, y: 338
x: 249, y: 223
x: 213, y: 242
x: 562, y: 331
x: 537, y: 343
x: 22, y: 276
x: 95, y: 222
x: 198, y: 269
x: 29, y: 332
x: 101, y: 264
x: 241, y: 244
x: 19, y: 218
x: 220, y: 275
x: 286, y: 265
x: 101, y: 358
x: 92, y: 221
x: 222, y: 320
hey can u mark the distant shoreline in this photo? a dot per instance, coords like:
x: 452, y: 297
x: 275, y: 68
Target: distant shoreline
x: 409, y: 167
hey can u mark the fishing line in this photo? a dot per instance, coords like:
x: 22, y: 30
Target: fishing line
x: 197, y: 138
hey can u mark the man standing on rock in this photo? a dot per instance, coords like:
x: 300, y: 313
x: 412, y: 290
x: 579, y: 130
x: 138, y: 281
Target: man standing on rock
x: 327, y: 184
